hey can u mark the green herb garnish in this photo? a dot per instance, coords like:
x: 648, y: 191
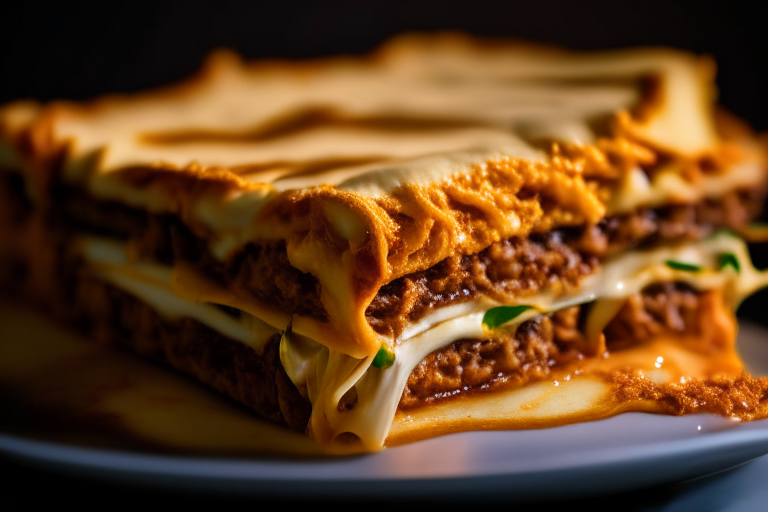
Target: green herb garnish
x: 498, y: 316
x: 384, y: 358
x: 679, y: 265
x: 728, y: 259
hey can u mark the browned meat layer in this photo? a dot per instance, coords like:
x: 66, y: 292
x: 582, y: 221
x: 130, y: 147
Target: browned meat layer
x: 257, y: 381
x: 555, y: 261
x: 661, y: 308
x: 262, y: 271
x: 514, y: 267
x: 112, y: 317
x: 547, y: 342
x: 511, y: 268
x: 745, y: 397
x: 537, y: 345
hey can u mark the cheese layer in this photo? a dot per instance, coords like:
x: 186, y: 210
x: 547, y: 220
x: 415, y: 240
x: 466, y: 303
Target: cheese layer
x: 326, y: 376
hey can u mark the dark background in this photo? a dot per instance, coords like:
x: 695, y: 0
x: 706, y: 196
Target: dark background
x: 78, y: 50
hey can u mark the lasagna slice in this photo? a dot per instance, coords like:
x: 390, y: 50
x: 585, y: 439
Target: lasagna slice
x: 445, y: 235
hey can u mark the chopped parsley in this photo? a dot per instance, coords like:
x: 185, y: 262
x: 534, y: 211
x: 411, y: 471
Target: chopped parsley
x: 496, y: 317
x: 384, y: 358
x: 679, y: 265
x: 728, y: 259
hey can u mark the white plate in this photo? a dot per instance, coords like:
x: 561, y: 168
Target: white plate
x: 626, y: 452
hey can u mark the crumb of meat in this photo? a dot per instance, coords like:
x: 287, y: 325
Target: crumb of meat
x: 537, y: 346
x: 664, y: 307
x: 547, y: 342
x: 745, y: 397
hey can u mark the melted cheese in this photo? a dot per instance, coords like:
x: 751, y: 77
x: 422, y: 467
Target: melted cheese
x: 153, y: 285
x: 447, y: 84
x: 667, y: 186
x: 326, y: 376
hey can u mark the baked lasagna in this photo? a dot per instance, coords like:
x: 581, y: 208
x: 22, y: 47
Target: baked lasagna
x: 447, y: 234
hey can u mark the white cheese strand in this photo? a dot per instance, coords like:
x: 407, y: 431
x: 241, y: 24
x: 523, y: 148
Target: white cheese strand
x: 151, y: 283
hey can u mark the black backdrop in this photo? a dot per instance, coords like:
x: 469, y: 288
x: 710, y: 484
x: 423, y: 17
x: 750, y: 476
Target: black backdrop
x: 78, y: 50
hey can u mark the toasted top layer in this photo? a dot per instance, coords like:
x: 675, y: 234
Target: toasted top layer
x: 372, y: 168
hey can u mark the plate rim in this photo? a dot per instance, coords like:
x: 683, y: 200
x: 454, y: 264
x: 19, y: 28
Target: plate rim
x: 731, y: 447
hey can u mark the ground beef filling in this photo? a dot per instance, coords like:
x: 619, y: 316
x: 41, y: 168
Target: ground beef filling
x: 547, y: 342
x: 511, y: 268
x: 261, y: 271
x: 556, y: 261
x: 745, y: 397
x: 112, y: 317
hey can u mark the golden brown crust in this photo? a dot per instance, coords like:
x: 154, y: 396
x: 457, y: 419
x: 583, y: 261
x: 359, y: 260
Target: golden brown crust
x: 744, y: 397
